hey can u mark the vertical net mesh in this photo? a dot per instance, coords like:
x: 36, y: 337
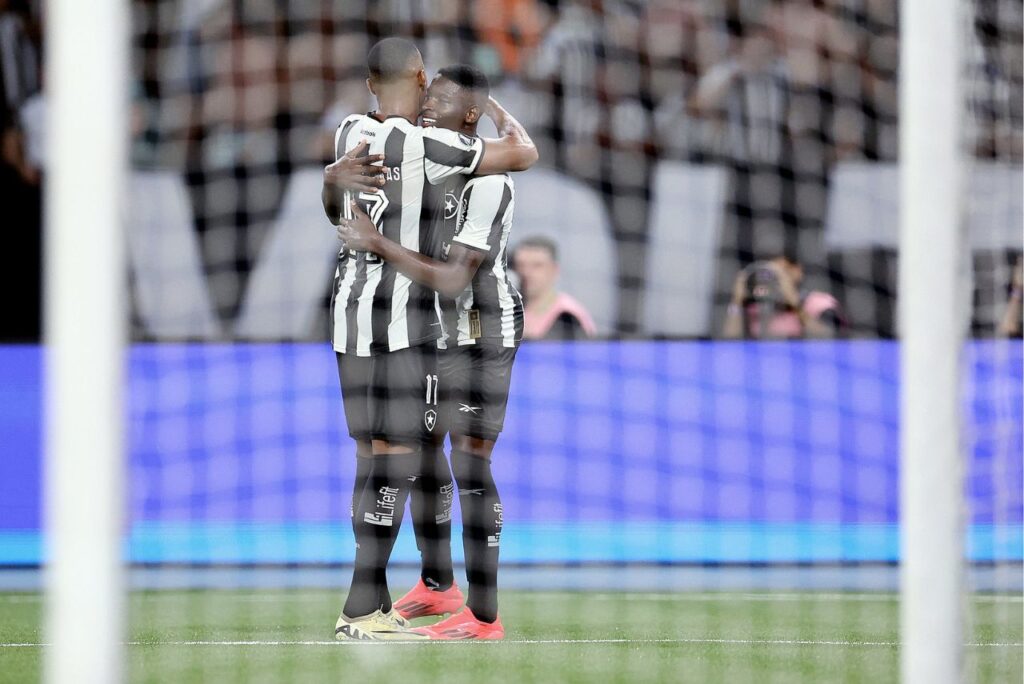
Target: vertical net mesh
x: 993, y: 70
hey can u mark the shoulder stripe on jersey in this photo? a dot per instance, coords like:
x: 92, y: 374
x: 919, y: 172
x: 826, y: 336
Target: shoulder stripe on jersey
x: 446, y: 155
x: 410, y: 325
x: 339, y: 275
x: 511, y: 302
x: 340, y: 142
x: 381, y: 315
x: 498, y: 223
x: 486, y: 289
x: 352, y: 305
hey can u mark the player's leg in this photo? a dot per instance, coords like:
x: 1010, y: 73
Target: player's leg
x: 480, y: 378
x: 364, y: 462
x: 430, y: 506
x: 376, y: 524
x: 431, y: 499
x: 355, y: 375
x: 403, y: 417
x: 436, y: 592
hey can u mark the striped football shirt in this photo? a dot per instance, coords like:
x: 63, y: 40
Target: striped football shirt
x: 490, y: 309
x: 374, y: 308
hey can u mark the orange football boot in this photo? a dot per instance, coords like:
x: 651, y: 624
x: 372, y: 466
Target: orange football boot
x: 463, y: 625
x: 422, y: 601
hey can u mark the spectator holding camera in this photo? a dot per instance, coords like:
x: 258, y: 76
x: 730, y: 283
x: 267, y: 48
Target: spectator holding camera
x: 767, y: 304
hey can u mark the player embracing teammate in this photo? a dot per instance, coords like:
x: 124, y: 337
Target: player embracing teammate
x: 419, y: 215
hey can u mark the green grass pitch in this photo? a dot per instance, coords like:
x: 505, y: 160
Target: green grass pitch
x: 286, y: 636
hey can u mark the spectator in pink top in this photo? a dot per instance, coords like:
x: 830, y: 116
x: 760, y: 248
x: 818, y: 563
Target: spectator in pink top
x: 770, y: 291
x: 548, y: 313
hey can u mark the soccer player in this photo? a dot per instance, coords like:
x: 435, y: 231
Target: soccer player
x: 483, y: 317
x: 385, y: 326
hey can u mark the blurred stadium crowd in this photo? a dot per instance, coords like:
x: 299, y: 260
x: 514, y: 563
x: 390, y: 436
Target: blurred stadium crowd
x: 681, y: 140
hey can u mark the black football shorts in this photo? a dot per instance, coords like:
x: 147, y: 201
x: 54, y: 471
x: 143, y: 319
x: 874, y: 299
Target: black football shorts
x: 475, y: 381
x: 393, y: 396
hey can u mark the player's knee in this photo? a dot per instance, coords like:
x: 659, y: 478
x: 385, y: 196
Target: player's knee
x: 475, y: 446
x: 382, y: 447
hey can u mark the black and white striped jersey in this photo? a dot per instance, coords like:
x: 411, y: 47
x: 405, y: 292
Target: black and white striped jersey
x: 490, y: 310
x: 374, y: 308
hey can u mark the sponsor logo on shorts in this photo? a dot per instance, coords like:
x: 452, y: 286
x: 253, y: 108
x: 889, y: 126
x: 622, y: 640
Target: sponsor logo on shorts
x: 430, y: 419
x: 465, y: 408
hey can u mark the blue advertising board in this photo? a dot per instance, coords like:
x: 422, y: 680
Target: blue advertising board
x: 667, y: 452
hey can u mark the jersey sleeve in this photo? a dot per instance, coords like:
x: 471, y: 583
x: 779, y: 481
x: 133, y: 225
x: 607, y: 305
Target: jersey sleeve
x: 341, y: 135
x: 484, y: 203
x: 449, y: 153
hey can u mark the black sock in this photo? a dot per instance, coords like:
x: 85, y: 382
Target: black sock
x: 363, y: 466
x: 378, y: 518
x: 431, y: 508
x: 481, y: 531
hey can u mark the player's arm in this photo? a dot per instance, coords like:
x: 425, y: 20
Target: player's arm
x: 513, y: 150
x: 448, y: 153
x: 355, y: 171
x: 449, y: 278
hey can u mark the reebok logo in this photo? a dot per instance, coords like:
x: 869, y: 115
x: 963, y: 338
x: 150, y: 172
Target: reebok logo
x: 464, y: 408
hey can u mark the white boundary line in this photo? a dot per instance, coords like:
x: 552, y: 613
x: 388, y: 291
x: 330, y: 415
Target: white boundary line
x: 881, y: 597
x: 736, y: 642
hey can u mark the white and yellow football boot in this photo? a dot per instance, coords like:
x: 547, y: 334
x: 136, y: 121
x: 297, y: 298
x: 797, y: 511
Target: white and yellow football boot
x: 377, y: 626
x: 397, y: 617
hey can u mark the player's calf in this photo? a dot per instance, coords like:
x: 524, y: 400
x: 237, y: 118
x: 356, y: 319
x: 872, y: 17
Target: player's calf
x: 482, y: 520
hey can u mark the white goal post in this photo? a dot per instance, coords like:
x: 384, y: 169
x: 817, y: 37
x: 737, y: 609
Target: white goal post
x: 87, y: 126
x: 932, y: 320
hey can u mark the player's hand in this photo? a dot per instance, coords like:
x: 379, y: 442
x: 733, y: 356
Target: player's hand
x: 358, y: 232
x: 493, y: 109
x: 356, y: 170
